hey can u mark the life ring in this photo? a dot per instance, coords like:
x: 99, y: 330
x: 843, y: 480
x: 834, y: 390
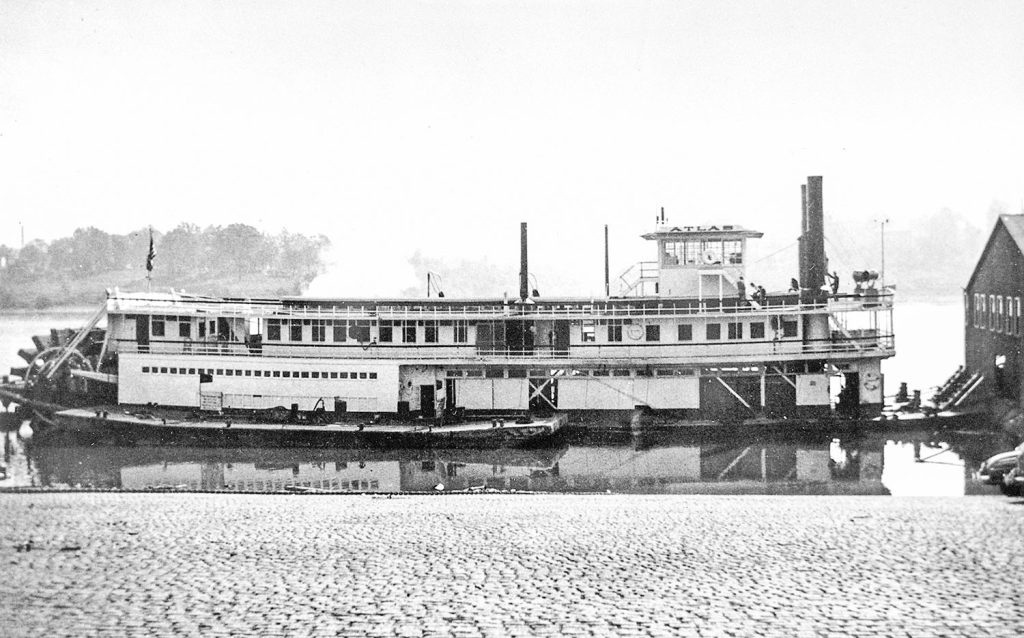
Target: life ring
x: 870, y: 381
x: 709, y: 257
x: 635, y: 332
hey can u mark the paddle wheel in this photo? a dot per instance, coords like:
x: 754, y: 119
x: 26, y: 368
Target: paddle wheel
x: 58, y: 367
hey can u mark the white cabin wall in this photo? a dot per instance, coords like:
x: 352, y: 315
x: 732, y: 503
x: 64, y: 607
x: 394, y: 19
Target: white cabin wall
x: 360, y: 395
x: 812, y: 389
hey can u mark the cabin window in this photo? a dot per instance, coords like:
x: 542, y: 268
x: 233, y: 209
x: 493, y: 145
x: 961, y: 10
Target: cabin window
x: 714, y: 331
x: 652, y: 332
x: 615, y: 330
x: 315, y: 375
x: 258, y: 373
x: 430, y: 331
x: 494, y: 373
x: 145, y: 368
x: 386, y: 332
x: 295, y: 330
x: 733, y: 249
x: 277, y: 373
x: 305, y: 375
x: 757, y: 330
x: 517, y: 373
x: 409, y: 332
x: 157, y: 327
x: 788, y: 328
x: 588, y: 331
x: 202, y: 329
x: 362, y: 375
x: 342, y: 375
x: 319, y: 331
x: 185, y: 329
x: 474, y: 373
x: 711, y: 251
x: 685, y: 332
x: 373, y: 375
x: 273, y: 330
x: 230, y: 372
x: 461, y: 332
x: 163, y: 370
x: 191, y: 370
x: 620, y: 373
x: 339, y: 331
x: 287, y: 374
x: 735, y: 330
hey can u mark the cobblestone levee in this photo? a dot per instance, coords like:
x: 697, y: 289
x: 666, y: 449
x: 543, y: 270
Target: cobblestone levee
x: 499, y: 565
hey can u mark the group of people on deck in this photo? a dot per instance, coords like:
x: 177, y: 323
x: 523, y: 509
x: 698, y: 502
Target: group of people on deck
x: 759, y: 296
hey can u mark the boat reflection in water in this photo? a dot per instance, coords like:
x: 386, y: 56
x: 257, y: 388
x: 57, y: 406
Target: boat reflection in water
x: 904, y: 463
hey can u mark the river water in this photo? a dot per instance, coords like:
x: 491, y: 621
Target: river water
x: 900, y: 463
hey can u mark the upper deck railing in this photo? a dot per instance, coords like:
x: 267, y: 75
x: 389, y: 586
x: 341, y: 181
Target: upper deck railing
x: 568, y: 309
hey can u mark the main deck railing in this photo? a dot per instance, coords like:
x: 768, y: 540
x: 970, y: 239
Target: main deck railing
x: 868, y: 346
x: 613, y: 309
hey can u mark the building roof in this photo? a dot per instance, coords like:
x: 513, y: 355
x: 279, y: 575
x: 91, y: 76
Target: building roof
x: 1014, y: 225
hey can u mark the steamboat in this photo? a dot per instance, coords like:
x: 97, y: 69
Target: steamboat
x: 682, y: 337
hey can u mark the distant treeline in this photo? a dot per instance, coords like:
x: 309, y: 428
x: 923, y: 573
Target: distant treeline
x: 231, y: 260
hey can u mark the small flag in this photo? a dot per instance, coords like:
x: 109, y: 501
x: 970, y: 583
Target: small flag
x: 205, y: 378
x: 152, y: 253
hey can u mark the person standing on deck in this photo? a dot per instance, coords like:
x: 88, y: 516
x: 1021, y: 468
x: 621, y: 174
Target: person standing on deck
x: 741, y: 289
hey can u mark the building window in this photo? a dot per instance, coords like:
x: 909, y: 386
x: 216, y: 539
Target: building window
x: 430, y: 331
x: 185, y: 329
x: 295, y: 330
x: 588, y: 333
x: 991, y: 312
x: 157, y: 327
x: 409, y: 332
x: 615, y: 330
x: 735, y: 330
x: 386, y: 332
x: 461, y: 331
x: 319, y: 331
x: 339, y: 331
x: 652, y: 333
x: 1000, y: 314
x: 983, y: 316
x: 788, y: 328
x: 273, y: 330
x: 685, y: 332
x: 714, y: 331
x: 1017, y: 316
x: 757, y: 330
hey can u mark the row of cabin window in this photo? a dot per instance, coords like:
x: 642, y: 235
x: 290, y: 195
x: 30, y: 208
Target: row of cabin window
x: 388, y: 331
x: 287, y: 374
x: 998, y: 313
x: 712, y: 331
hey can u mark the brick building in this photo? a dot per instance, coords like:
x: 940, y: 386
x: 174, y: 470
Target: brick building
x: 992, y: 317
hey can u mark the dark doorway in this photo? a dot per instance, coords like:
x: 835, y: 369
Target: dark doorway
x: 562, y: 338
x: 427, y: 400
x: 223, y: 329
x: 519, y: 336
x: 142, y: 332
x: 849, y: 396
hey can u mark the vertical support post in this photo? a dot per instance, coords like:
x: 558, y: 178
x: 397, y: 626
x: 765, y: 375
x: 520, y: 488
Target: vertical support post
x: 763, y: 401
x: 607, y: 283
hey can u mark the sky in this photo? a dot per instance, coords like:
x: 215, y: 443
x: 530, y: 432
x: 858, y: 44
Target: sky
x: 436, y: 127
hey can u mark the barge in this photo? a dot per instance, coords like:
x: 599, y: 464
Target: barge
x: 682, y: 337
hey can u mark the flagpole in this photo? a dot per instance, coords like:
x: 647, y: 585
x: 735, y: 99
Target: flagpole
x: 149, y: 262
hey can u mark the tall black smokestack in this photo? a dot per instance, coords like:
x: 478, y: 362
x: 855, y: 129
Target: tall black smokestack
x: 814, y: 239
x: 524, y: 283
